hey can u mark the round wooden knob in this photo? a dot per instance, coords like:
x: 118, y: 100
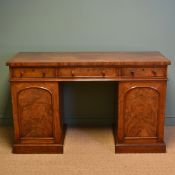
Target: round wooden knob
x: 154, y: 72
x: 72, y: 73
x: 43, y: 74
x: 103, y: 73
x: 21, y: 74
x: 132, y: 73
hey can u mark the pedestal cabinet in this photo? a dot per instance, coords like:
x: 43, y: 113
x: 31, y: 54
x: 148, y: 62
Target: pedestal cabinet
x: 141, y: 116
x: 36, y: 79
x: 36, y: 114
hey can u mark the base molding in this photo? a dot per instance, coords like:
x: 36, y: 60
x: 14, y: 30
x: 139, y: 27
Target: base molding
x: 41, y: 148
x: 37, y: 148
x: 140, y: 148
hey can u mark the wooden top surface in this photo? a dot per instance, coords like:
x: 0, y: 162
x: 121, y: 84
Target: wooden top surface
x: 88, y: 59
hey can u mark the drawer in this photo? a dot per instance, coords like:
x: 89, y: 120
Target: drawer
x: 33, y: 72
x: 143, y: 72
x: 87, y: 72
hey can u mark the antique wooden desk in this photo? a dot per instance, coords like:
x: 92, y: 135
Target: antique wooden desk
x: 36, y: 97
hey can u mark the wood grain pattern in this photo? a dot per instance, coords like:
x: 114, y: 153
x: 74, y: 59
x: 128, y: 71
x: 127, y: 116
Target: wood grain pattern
x: 35, y: 112
x: 141, y: 112
x: 88, y: 72
x: 33, y: 72
x: 36, y: 116
x: 103, y: 73
x: 143, y: 72
x: 88, y: 59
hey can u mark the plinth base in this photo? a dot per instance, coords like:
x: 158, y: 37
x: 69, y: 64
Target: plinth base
x: 140, y: 148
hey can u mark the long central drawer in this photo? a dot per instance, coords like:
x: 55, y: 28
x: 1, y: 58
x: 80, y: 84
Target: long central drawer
x: 87, y: 72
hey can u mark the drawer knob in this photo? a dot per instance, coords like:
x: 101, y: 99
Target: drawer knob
x: 154, y: 72
x: 132, y: 73
x: 43, y: 74
x: 21, y: 74
x: 72, y: 73
x: 103, y: 73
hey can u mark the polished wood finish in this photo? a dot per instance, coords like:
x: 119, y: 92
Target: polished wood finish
x: 36, y: 97
x: 36, y: 116
x: 33, y: 72
x: 141, y: 112
x: 88, y: 72
x: 88, y: 59
x: 137, y: 72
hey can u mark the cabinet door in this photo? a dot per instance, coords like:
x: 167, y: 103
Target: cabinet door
x: 36, y: 112
x: 141, y: 112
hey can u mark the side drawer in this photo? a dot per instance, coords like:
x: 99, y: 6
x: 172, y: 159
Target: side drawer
x: 87, y: 72
x: 143, y: 72
x: 33, y: 72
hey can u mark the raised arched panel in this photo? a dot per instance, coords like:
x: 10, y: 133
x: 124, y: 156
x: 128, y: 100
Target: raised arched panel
x: 35, y: 112
x: 141, y: 112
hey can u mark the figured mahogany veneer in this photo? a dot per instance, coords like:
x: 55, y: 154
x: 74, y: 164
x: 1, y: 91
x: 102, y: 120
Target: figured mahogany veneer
x: 88, y: 72
x: 37, y: 105
x: 28, y: 72
x: 143, y: 72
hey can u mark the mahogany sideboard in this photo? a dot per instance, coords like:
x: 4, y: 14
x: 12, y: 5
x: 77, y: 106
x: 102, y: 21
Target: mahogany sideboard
x: 36, y: 79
